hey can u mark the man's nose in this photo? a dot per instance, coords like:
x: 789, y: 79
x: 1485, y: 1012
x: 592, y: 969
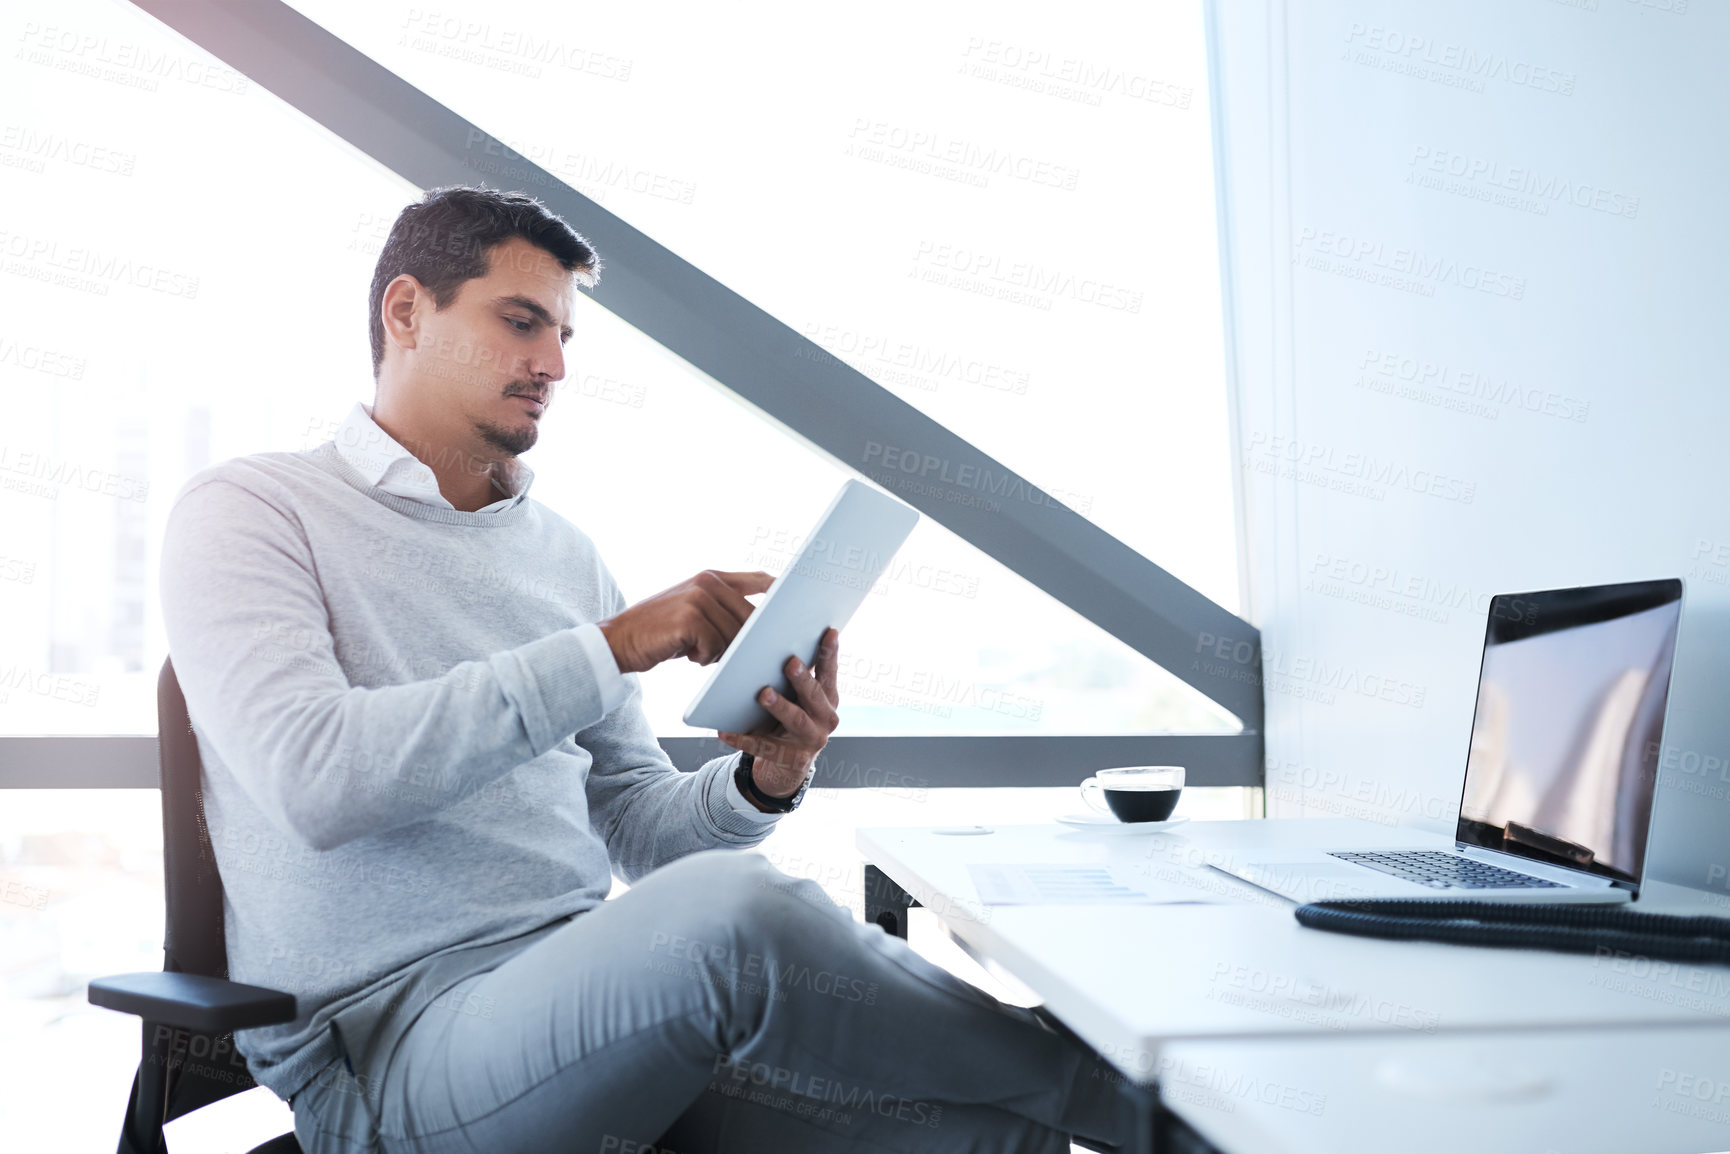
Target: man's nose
x: 548, y: 361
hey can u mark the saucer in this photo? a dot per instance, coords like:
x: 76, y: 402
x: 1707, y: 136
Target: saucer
x: 1101, y: 822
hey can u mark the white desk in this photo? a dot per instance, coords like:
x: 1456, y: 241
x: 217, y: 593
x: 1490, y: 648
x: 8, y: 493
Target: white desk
x: 1635, y: 1091
x: 1132, y: 979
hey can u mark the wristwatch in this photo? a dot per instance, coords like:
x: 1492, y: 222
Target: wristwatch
x: 742, y: 778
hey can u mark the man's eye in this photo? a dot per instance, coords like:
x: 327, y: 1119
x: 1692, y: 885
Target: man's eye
x: 520, y: 326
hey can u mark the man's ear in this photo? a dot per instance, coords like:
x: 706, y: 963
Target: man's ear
x: 401, y: 297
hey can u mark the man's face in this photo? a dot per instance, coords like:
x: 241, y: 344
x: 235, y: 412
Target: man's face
x: 490, y: 360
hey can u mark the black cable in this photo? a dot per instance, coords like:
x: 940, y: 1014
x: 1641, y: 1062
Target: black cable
x: 1570, y: 928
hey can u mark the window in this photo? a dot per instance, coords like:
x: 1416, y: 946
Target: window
x: 1006, y: 222
x: 1005, y: 218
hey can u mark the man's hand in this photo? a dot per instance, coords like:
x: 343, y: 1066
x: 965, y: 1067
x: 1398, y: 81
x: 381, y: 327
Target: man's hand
x: 696, y: 619
x: 785, y: 748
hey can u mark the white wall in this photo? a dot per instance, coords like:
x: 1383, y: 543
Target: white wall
x: 1475, y: 259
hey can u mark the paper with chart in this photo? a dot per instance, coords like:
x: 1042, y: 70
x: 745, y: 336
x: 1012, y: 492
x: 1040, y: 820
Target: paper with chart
x: 1068, y: 884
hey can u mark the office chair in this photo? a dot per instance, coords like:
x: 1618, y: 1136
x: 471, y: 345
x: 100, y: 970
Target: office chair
x: 190, y: 1010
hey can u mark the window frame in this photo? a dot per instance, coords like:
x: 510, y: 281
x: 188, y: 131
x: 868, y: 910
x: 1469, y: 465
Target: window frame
x: 784, y: 376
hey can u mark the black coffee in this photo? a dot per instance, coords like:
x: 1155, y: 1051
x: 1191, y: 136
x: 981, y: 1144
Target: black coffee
x: 1143, y: 804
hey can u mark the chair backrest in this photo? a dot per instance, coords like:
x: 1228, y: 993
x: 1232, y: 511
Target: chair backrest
x: 193, y: 940
x: 204, y: 1068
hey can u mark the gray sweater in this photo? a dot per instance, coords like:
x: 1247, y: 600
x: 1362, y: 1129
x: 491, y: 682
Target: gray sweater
x: 405, y: 748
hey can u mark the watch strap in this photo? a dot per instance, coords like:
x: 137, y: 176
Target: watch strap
x: 748, y: 786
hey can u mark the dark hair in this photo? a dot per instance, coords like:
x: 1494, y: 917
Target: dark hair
x: 445, y: 240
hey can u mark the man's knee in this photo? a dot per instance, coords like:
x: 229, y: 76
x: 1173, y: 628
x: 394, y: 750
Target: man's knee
x: 727, y: 912
x: 724, y: 886
x: 717, y: 869
x: 747, y: 891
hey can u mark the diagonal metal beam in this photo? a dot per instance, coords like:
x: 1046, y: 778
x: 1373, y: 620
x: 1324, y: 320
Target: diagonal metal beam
x: 835, y: 408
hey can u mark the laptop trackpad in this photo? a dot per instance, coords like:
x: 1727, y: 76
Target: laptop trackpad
x: 1319, y: 881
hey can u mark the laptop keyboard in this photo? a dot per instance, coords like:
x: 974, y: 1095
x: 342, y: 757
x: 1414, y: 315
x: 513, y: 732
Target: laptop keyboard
x: 1446, y: 871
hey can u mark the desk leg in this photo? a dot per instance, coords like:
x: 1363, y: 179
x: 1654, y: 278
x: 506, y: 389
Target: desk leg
x: 1144, y: 1101
x: 1155, y: 1129
x: 886, y: 904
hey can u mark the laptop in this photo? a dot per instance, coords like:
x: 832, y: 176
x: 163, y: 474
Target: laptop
x: 1561, y: 769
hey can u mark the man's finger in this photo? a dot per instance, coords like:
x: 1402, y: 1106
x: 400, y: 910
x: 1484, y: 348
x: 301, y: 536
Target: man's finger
x: 795, y: 720
x: 812, y: 695
x: 755, y: 581
x: 744, y: 741
x: 710, y: 639
x: 731, y: 600
x: 774, y: 750
x: 828, y: 659
x: 716, y: 624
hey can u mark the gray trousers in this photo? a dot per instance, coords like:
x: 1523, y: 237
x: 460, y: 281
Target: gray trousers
x: 717, y: 1005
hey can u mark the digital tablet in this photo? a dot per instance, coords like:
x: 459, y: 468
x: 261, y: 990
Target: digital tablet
x: 841, y: 559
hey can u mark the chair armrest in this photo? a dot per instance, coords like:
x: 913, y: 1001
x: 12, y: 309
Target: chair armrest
x: 192, y: 1001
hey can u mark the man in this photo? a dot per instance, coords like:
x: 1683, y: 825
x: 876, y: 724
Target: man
x: 415, y: 695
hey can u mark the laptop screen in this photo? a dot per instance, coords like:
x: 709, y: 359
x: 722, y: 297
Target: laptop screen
x: 1564, y: 755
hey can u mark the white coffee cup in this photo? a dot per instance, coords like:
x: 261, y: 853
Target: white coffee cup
x: 1135, y: 793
